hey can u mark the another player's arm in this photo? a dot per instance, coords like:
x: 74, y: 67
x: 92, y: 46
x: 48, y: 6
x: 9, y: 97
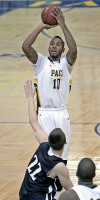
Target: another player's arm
x: 72, y: 53
x: 29, y: 51
x: 40, y: 135
x: 62, y: 172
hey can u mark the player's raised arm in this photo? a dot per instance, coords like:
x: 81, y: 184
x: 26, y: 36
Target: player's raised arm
x: 72, y: 52
x: 29, y: 51
x: 27, y: 45
x: 40, y: 135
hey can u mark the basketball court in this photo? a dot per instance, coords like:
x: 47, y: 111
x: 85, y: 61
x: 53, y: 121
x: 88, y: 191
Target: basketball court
x: 17, y: 143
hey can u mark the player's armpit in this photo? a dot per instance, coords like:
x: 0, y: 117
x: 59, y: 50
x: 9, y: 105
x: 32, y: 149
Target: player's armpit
x: 63, y: 174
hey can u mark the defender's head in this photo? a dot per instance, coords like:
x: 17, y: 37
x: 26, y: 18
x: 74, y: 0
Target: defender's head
x: 86, y: 169
x: 57, y: 139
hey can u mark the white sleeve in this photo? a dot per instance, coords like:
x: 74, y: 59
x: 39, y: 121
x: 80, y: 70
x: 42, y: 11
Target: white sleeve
x: 39, y: 64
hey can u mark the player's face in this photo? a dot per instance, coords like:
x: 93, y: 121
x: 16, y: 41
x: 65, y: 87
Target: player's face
x: 56, y: 48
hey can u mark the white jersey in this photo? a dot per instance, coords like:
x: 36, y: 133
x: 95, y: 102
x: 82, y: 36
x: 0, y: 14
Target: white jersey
x: 86, y: 193
x: 53, y: 79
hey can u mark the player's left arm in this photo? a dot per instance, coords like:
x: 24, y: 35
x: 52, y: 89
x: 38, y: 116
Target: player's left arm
x: 40, y: 135
x: 72, y: 52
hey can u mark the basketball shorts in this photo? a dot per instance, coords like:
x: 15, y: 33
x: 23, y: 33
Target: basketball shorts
x: 50, y: 119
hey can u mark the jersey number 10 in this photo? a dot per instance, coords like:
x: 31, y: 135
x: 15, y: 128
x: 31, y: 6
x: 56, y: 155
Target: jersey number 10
x: 56, y: 83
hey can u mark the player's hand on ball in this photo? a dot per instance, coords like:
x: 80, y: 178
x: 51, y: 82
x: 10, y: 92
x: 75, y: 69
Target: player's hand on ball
x: 58, y: 15
x: 29, y: 90
x: 46, y: 26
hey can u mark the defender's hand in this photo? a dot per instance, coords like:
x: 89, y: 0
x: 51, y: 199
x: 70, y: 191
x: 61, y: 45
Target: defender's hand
x: 29, y: 90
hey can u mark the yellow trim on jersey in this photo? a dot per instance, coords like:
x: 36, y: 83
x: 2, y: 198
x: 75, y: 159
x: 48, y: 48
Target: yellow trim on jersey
x: 70, y: 82
x: 35, y: 80
x: 38, y: 96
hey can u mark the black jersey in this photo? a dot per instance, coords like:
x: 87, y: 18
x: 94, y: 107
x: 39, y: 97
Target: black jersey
x: 37, y: 185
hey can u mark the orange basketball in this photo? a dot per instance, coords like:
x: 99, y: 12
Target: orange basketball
x: 46, y: 16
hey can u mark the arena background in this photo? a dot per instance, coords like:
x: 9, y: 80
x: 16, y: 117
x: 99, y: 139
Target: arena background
x: 17, y: 143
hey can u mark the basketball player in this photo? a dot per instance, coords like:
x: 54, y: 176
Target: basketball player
x: 46, y: 172
x: 85, y: 190
x: 52, y: 75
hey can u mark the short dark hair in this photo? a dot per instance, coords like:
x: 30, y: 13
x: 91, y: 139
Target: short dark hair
x: 57, y: 139
x: 86, y: 169
x: 57, y: 36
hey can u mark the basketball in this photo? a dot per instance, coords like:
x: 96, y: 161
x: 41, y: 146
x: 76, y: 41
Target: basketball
x: 46, y: 16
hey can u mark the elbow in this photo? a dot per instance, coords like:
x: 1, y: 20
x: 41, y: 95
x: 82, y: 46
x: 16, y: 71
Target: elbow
x: 30, y: 121
x: 74, y: 55
x: 32, y: 124
x: 24, y: 47
x: 74, y: 51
